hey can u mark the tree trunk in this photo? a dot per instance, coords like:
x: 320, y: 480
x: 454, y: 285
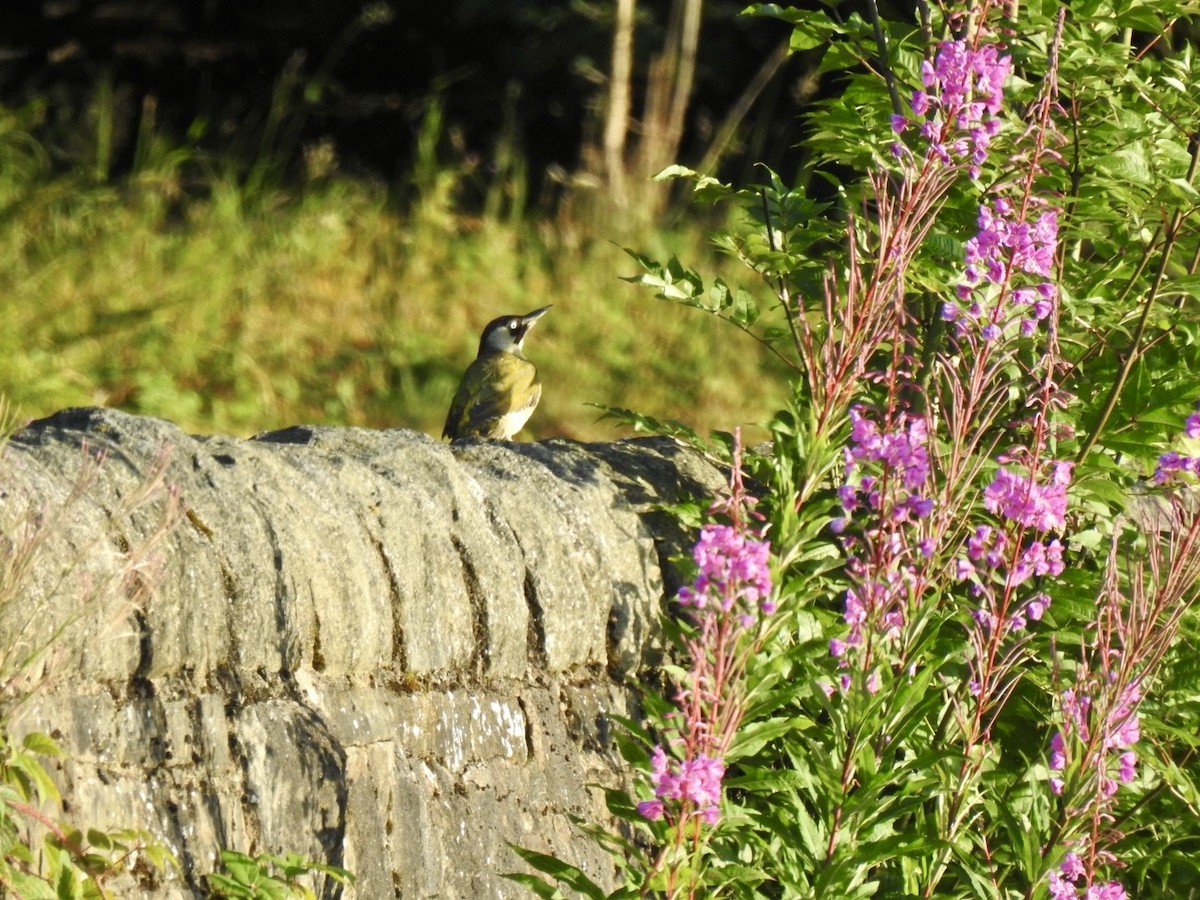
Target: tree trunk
x: 668, y: 93
x: 616, y: 128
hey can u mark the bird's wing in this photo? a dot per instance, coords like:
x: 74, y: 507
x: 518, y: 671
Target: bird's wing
x: 454, y: 418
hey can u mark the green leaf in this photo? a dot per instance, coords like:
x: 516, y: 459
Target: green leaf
x: 100, y: 839
x: 29, y: 887
x: 675, y: 171
x: 39, y: 781
x: 1184, y: 285
x: 42, y: 745
x: 753, y: 736
x: 570, y: 875
x: 535, y: 884
x: 1129, y: 164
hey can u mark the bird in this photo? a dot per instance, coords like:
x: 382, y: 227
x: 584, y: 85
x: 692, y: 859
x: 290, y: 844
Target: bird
x: 500, y: 389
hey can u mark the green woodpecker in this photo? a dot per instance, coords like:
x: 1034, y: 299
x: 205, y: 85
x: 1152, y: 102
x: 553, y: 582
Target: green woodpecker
x: 500, y: 389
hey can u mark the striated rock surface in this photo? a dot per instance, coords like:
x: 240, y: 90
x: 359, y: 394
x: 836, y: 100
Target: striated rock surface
x: 367, y: 647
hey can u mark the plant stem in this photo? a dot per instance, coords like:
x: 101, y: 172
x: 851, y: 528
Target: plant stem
x: 1170, y: 238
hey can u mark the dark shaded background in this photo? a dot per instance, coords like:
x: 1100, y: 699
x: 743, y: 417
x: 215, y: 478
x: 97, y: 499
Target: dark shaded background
x: 208, y: 73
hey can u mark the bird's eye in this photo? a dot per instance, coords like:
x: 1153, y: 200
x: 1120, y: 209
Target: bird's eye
x: 512, y: 326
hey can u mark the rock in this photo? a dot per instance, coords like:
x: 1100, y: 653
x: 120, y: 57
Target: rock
x: 366, y: 647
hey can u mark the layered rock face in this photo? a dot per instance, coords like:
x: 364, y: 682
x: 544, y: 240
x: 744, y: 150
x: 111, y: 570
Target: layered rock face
x: 366, y: 647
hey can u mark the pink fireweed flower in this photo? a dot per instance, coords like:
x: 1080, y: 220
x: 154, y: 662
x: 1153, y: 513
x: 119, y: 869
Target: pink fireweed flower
x: 1058, y: 751
x: 1171, y: 465
x: 734, y: 568
x: 700, y: 783
x: 1037, y: 607
x: 903, y: 449
x: 920, y: 103
x: 1072, y: 867
x: 1038, y: 559
x: 1128, y: 767
x: 1124, y: 729
x: 651, y: 809
x: 1061, y: 888
x: 1191, y: 428
x: 1007, y: 250
x: 1022, y: 499
x: 987, y: 545
x: 962, y: 91
x: 695, y: 781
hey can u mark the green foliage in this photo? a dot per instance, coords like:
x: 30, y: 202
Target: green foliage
x: 919, y: 762
x: 270, y: 877
x: 42, y: 857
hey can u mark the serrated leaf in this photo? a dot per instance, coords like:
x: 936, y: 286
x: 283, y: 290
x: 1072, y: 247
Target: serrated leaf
x: 1129, y: 163
x: 39, y: 781
x: 41, y: 744
x: 675, y: 171
x: 101, y: 840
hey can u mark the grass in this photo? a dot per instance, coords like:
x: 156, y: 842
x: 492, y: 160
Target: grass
x: 236, y: 310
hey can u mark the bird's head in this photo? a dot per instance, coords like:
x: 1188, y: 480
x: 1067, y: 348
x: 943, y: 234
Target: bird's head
x: 505, y: 334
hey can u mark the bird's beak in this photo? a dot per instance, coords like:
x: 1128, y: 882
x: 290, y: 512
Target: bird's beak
x: 529, y: 318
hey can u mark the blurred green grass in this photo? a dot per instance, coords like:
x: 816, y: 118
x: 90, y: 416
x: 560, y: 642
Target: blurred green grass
x: 237, y: 310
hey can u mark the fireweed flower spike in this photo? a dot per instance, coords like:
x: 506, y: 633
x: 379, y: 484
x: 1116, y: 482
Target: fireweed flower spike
x: 1093, y: 750
x: 1010, y: 261
x: 960, y: 96
x: 885, y: 497
x: 730, y: 596
x: 1097, y: 730
x: 1022, y: 499
x: 731, y: 591
x: 998, y: 560
x: 1007, y: 249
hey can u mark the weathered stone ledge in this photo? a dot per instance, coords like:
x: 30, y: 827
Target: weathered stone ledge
x: 367, y: 647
